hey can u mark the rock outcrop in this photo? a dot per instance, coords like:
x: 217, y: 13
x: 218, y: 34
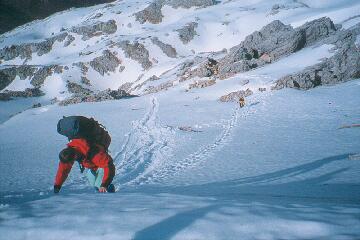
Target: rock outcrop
x: 108, y: 62
x: 317, y: 30
x: 28, y: 92
x: 160, y: 87
x: 207, y: 68
x: 25, y: 51
x: 272, y: 42
x: 235, y: 96
x: 96, y: 97
x: 202, y: 84
x: 75, y: 88
x: 84, y: 69
x: 153, y: 14
x: 188, y: 32
x: 190, y: 3
x: 276, y: 8
x: 43, y: 72
x: 69, y: 40
x: 35, y: 73
x: 343, y: 66
x: 96, y: 29
x: 166, y: 48
x: 7, y: 75
x: 137, y: 52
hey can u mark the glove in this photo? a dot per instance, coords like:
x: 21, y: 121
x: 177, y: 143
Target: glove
x: 57, y: 188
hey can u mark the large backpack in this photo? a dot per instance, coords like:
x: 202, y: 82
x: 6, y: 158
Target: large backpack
x: 83, y: 127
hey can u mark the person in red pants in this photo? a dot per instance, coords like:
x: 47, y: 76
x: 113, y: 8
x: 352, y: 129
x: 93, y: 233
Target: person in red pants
x: 93, y: 157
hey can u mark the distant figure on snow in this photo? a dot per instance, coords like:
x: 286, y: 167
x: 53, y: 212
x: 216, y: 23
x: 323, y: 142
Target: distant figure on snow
x: 242, y: 102
x: 88, y: 145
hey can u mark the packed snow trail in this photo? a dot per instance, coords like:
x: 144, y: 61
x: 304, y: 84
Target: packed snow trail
x: 145, y: 147
x: 146, y: 154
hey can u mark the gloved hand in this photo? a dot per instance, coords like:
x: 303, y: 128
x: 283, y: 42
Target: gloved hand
x: 57, y: 188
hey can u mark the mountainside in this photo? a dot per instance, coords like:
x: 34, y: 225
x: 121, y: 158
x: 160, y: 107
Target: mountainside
x: 135, y: 48
x: 231, y: 119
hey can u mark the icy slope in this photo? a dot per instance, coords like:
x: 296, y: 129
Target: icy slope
x: 189, y: 166
x: 276, y: 169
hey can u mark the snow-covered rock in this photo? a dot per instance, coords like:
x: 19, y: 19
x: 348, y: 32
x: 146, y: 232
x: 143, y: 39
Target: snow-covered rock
x: 137, y: 52
x: 343, y: 66
x: 113, y: 45
x: 187, y: 32
x: 95, y: 29
x: 108, y: 62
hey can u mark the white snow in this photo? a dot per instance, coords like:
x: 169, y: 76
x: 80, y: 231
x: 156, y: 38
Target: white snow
x: 279, y: 168
x: 275, y: 169
x: 18, y: 85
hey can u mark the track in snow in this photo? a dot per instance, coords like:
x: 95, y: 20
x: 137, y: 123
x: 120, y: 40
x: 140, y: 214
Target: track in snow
x: 145, y: 147
x: 171, y: 168
x: 146, y: 154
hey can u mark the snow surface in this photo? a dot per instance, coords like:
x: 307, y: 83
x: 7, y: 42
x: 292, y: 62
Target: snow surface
x: 279, y: 168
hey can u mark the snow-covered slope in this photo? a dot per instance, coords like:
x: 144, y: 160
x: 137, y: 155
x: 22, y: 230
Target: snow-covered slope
x: 118, y: 46
x: 189, y: 166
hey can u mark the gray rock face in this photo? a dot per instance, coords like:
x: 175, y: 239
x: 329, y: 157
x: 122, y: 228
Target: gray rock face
x: 29, y: 92
x: 276, y: 8
x: 343, y: 66
x: 207, y: 68
x: 69, y: 40
x: 228, y: 69
x: 202, y: 84
x: 152, y: 78
x: 37, y: 74
x: 46, y: 46
x: 84, y: 69
x: 85, y: 80
x: 161, y: 87
x: 96, y: 97
x: 318, y: 29
x: 7, y: 75
x: 190, y: 3
x: 126, y: 86
x: 108, y: 62
x: 188, y: 32
x: 25, y: 51
x: 96, y: 29
x: 122, y: 68
x: 271, y: 43
x: 77, y: 88
x: 151, y: 13
x: 166, y: 48
x: 42, y: 73
x: 275, y: 39
x: 119, y: 94
x: 235, y: 96
x: 137, y: 52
